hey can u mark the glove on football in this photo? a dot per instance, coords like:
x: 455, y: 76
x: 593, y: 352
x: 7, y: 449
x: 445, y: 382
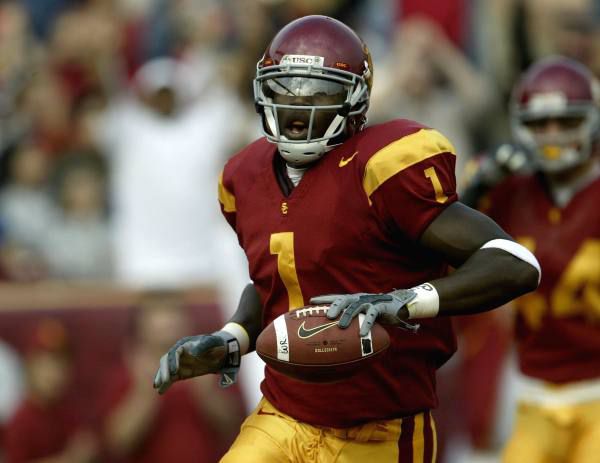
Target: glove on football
x: 193, y: 356
x: 384, y: 307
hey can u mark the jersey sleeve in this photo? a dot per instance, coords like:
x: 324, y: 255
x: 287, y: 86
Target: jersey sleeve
x: 227, y: 197
x: 411, y: 181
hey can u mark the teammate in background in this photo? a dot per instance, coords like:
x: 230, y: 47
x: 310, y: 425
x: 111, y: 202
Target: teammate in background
x: 554, y: 212
x: 325, y: 205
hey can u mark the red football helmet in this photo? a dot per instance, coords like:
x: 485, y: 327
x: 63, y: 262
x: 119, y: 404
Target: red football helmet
x: 562, y: 90
x: 312, y: 87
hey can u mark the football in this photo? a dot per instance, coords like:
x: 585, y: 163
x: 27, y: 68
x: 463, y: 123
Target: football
x: 304, y: 344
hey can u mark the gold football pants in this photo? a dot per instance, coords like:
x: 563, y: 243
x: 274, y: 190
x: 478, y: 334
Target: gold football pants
x: 269, y: 436
x: 566, y: 434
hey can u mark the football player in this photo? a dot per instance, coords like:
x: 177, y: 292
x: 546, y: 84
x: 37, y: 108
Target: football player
x: 554, y: 212
x: 324, y: 205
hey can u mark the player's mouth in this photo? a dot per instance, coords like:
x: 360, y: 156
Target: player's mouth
x: 296, y: 129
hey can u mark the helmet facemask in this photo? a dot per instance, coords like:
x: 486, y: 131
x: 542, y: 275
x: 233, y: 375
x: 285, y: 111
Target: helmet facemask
x: 305, y: 107
x: 563, y: 149
x: 555, y: 114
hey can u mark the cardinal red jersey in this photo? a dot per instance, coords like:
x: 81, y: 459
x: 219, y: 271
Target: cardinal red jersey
x: 351, y: 225
x: 36, y: 432
x: 178, y: 430
x: 558, y: 326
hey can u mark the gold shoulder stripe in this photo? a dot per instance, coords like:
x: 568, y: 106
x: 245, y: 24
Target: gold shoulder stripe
x: 401, y: 154
x: 225, y: 196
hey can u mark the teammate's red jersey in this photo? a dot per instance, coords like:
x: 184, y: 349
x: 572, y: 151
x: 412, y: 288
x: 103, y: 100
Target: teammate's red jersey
x: 351, y: 225
x: 558, y: 326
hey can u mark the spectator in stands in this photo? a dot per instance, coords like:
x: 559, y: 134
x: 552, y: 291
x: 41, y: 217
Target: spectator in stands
x: 18, y: 53
x: 510, y: 35
x: 43, y: 15
x: 194, y: 423
x: 26, y: 211
x: 25, y: 206
x: 165, y: 141
x: 452, y: 16
x: 43, y: 111
x: 11, y: 392
x: 45, y: 426
x: 77, y: 243
x: 86, y: 112
x: 85, y: 47
x: 427, y: 78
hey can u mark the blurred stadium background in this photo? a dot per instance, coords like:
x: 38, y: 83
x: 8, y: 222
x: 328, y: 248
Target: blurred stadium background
x: 115, y: 118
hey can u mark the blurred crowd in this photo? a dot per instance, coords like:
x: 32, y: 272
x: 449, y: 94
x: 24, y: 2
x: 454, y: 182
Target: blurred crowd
x: 83, y: 390
x: 116, y: 117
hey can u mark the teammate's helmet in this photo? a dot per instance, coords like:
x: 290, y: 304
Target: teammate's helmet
x: 562, y: 90
x: 312, y: 87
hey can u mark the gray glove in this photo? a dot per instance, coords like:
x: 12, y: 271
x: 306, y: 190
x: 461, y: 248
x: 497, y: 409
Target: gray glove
x: 193, y: 356
x: 384, y: 307
x: 506, y: 160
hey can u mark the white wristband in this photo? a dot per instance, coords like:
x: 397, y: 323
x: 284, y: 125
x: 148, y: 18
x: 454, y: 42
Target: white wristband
x: 426, y: 304
x: 240, y: 333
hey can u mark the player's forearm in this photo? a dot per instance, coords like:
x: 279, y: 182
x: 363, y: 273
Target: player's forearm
x: 128, y: 423
x: 488, y: 279
x: 217, y: 406
x: 491, y: 269
x: 249, y: 314
x: 471, y: 86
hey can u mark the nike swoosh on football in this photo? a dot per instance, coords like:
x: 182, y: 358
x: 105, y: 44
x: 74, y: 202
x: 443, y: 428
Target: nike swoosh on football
x: 304, y: 333
x: 343, y: 161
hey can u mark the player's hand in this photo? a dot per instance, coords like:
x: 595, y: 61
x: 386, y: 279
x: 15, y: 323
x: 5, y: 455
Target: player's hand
x: 483, y: 173
x: 505, y: 160
x: 384, y: 307
x: 199, y: 355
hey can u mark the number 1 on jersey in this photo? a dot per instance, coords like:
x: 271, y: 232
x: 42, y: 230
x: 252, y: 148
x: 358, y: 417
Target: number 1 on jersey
x: 282, y: 244
x: 432, y: 175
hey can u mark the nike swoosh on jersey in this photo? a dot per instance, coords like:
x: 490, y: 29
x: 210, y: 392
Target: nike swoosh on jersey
x: 304, y: 333
x: 343, y: 161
